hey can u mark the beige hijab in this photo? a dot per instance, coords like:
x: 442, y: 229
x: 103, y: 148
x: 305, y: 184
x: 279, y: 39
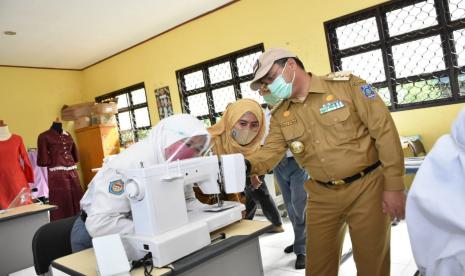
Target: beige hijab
x: 222, y: 139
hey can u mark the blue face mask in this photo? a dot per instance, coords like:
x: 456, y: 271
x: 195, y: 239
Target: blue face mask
x: 271, y: 99
x: 280, y: 88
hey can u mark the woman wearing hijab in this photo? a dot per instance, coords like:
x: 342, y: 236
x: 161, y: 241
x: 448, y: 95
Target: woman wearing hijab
x: 436, y: 206
x: 241, y: 130
x: 105, y: 207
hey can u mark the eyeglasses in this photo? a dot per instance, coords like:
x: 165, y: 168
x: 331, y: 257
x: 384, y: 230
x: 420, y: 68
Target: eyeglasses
x: 269, y: 78
x: 263, y: 90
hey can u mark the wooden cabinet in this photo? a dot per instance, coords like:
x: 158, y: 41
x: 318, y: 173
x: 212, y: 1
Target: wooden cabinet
x: 95, y: 143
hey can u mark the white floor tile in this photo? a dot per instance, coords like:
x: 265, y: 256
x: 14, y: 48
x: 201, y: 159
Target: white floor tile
x: 25, y: 272
x: 276, y: 262
x: 283, y: 272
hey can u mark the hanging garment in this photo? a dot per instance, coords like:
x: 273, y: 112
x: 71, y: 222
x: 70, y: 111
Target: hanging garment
x: 58, y: 152
x: 40, y: 176
x: 13, y: 176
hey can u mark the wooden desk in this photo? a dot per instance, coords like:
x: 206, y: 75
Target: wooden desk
x: 239, y: 252
x: 17, y: 228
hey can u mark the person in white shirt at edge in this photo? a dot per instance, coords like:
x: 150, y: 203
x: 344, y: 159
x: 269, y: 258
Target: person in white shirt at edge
x: 436, y: 206
x: 105, y: 207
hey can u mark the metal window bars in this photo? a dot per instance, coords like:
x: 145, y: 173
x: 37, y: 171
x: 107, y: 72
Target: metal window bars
x: 206, y: 88
x: 133, y: 118
x: 412, y: 51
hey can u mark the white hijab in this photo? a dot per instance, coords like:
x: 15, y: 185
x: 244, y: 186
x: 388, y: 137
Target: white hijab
x: 151, y: 150
x: 436, y: 206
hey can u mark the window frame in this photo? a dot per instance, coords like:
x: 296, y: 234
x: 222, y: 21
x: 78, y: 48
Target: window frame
x: 444, y: 29
x: 130, y: 108
x: 208, y: 88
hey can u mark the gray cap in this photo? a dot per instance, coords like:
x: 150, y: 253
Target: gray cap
x: 264, y: 63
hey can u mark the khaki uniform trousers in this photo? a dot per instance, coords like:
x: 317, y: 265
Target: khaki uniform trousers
x: 358, y: 205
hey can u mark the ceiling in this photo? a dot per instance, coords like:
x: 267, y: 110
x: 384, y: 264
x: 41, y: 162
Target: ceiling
x: 74, y: 34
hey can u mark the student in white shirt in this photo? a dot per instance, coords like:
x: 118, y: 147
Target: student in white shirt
x: 105, y: 207
x: 436, y: 206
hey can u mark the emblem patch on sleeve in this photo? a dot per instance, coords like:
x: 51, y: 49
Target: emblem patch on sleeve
x: 116, y: 187
x: 368, y: 91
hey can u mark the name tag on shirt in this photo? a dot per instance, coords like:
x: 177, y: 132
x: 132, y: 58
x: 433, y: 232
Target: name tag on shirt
x: 331, y: 106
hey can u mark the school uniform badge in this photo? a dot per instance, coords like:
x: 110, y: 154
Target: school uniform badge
x: 116, y: 187
x: 368, y: 91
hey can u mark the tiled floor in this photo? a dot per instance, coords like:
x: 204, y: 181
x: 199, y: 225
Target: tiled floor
x: 277, y: 263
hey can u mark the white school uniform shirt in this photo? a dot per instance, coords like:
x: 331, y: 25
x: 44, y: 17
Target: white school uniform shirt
x: 105, y: 202
x: 436, y: 207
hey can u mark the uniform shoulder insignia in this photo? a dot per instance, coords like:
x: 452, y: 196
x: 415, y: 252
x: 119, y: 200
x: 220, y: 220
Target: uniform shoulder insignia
x: 368, y: 91
x: 339, y: 76
x: 356, y: 81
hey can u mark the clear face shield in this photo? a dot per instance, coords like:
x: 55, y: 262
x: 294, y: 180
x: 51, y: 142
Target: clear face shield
x: 189, y: 147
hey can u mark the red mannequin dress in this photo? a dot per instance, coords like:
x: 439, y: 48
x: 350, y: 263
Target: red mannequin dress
x: 58, y: 153
x: 13, y: 175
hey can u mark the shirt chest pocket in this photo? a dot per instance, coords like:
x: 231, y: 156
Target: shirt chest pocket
x: 292, y: 130
x: 338, y: 125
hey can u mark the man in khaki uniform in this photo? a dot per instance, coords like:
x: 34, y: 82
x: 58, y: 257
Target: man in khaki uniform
x: 341, y: 132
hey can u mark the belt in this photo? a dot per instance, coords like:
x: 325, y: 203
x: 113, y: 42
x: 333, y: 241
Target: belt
x: 83, y: 215
x: 352, y: 178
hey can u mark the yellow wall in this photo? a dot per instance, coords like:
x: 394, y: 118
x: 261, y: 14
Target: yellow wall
x: 31, y: 99
x: 294, y: 24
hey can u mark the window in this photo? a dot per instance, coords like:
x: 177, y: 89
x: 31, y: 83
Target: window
x: 412, y: 51
x: 133, y: 114
x: 208, y: 87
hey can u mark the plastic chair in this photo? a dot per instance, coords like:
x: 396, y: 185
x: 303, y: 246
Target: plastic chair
x: 51, y: 241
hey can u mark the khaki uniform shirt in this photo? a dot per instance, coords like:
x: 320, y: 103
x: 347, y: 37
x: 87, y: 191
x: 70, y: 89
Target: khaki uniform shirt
x: 339, y: 141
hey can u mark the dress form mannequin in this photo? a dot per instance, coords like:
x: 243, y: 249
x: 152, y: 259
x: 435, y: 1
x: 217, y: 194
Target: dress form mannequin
x: 15, y: 169
x: 56, y: 151
x: 57, y: 125
x: 4, y: 131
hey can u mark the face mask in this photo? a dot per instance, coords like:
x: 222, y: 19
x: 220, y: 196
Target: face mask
x: 243, y: 136
x: 179, y: 151
x: 271, y: 99
x: 280, y: 88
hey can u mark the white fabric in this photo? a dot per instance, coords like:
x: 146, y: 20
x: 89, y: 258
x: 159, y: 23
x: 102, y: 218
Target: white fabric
x: 436, y: 206
x: 108, y: 212
x: 63, y: 168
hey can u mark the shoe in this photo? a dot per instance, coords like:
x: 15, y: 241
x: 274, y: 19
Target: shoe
x: 277, y: 229
x: 289, y: 249
x: 300, y: 261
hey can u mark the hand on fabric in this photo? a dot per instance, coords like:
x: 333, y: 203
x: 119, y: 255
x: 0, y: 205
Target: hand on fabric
x: 394, y: 204
x: 255, y: 182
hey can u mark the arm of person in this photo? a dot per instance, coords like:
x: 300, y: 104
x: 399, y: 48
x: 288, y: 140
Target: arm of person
x: 376, y: 117
x: 268, y: 156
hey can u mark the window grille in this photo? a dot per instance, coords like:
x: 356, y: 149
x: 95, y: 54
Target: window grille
x: 133, y: 116
x: 412, y: 51
x: 207, y: 88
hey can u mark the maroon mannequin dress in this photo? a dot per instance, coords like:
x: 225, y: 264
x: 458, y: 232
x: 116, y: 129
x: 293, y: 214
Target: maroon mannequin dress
x: 58, y: 153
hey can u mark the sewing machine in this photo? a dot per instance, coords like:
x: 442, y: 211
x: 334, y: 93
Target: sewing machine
x: 163, y: 225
